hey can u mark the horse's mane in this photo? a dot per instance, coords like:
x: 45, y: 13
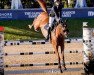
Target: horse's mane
x: 58, y: 29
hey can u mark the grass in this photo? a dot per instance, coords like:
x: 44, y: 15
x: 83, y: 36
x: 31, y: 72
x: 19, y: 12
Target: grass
x: 18, y: 29
x: 75, y: 26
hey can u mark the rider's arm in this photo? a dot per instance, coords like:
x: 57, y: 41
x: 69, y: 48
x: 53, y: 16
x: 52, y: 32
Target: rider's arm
x: 61, y: 6
x: 58, y: 11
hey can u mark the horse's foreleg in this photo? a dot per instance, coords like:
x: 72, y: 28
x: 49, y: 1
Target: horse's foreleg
x: 57, y: 53
x: 62, y: 57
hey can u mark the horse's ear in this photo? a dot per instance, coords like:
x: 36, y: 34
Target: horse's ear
x: 66, y: 20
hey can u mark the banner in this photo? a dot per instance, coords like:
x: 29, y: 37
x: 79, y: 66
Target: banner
x: 23, y: 14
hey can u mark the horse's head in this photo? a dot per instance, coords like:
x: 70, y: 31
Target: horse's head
x: 65, y: 28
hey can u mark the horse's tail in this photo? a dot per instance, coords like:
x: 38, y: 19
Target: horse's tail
x: 43, y: 5
x: 39, y: 21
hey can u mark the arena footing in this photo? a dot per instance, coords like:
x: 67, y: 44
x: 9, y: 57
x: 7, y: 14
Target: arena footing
x: 54, y: 70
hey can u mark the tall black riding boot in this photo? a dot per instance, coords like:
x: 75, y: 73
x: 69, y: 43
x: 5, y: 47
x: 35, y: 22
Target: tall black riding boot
x: 49, y: 33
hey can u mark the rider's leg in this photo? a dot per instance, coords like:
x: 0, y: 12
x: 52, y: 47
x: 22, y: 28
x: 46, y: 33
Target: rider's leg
x: 51, y: 19
x: 57, y: 19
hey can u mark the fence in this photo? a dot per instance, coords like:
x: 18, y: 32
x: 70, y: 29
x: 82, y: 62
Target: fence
x: 87, y: 41
x: 11, y: 43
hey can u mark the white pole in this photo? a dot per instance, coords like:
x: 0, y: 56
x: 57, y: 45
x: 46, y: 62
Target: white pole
x: 87, y: 36
x: 80, y: 4
x: 1, y: 50
x: 69, y: 2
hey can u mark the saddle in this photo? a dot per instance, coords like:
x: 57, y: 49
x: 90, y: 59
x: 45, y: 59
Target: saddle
x: 55, y: 24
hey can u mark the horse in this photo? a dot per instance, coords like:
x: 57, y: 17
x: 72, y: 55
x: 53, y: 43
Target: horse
x: 57, y: 35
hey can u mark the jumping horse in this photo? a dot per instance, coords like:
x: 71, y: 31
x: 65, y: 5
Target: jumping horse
x: 57, y: 35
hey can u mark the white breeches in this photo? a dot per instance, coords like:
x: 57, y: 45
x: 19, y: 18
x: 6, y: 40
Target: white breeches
x: 51, y: 19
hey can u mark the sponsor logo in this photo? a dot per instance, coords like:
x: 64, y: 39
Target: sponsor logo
x: 67, y: 13
x: 90, y: 13
x: 32, y: 14
x: 5, y: 15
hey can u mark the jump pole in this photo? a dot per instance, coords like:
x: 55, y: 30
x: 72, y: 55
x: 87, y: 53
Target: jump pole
x: 1, y: 50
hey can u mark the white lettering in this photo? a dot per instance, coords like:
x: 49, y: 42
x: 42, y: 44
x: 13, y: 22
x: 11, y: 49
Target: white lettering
x: 90, y: 13
x: 32, y: 14
x: 68, y: 13
x: 5, y: 15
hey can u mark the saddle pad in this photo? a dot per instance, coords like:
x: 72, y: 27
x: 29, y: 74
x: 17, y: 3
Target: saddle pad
x: 46, y: 27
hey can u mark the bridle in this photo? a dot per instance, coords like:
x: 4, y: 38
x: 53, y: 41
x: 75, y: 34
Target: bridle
x: 65, y: 27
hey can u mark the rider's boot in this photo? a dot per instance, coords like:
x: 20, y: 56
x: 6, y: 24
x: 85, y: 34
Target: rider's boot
x: 49, y: 34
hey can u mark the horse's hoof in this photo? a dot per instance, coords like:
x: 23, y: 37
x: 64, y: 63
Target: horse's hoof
x: 65, y: 68
x: 59, y: 66
x: 61, y: 71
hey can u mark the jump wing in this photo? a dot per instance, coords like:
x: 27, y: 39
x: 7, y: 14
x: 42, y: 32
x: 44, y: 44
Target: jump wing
x: 42, y: 3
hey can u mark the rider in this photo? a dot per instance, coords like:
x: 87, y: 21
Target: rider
x: 55, y: 14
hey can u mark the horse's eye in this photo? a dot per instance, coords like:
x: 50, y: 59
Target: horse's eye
x: 65, y: 25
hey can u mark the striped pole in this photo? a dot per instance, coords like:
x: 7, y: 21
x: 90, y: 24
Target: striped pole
x: 42, y: 64
x: 1, y: 50
x: 38, y: 42
x: 47, y: 52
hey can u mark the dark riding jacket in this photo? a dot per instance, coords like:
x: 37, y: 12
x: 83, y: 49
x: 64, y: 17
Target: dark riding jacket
x: 56, y: 11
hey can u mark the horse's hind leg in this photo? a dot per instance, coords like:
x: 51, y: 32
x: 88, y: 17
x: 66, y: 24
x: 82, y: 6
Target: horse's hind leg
x: 57, y: 53
x: 62, y: 57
